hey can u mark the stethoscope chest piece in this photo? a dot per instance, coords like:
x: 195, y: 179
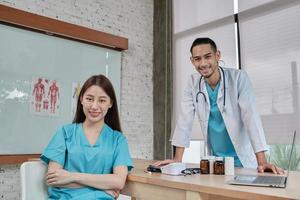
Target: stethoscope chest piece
x: 224, y: 110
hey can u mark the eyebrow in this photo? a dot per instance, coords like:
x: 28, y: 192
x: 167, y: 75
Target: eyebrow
x: 89, y: 95
x: 207, y: 54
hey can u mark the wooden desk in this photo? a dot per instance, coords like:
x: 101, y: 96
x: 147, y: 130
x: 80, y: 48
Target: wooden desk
x: 157, y: 186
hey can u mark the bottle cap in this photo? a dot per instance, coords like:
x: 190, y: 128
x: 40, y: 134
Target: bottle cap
x: 219, y: 158
x: 205, y: 158
x: 212, y: 157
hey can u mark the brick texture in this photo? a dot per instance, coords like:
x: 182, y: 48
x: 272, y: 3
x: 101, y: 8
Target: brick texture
x: 132, y: 19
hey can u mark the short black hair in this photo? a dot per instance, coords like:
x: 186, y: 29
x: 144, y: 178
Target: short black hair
x: 200, y: 41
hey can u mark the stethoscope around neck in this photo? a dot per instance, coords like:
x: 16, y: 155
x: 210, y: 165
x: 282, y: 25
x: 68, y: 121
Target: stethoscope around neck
x: 202, y: 93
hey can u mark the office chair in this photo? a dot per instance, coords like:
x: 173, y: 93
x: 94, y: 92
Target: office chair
x: 33, y: 184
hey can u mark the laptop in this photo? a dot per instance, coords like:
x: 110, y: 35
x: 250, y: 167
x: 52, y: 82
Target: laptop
x: 265, y: 181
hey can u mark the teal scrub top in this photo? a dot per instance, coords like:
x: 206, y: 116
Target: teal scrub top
x: 218, y: 137
x: 70, y: 148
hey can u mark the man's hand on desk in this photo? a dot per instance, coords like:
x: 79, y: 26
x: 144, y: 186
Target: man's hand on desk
x: 264, y: 166
x: 267, y: 167
x: 177, y: 158
x: 164, y: 162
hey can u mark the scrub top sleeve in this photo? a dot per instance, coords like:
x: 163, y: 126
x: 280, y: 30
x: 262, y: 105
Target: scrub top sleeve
x: 122, y: 155
x: 56, y: 149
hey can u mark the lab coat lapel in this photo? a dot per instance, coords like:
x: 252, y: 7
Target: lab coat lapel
x: 221, y: 89
x: 206, y: 110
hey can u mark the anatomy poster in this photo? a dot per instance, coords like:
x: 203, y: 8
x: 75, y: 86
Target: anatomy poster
x: 76, y: 87
x: 45, y: 97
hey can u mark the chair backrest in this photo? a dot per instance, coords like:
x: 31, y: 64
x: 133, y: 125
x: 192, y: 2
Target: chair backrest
x: 33, y: 185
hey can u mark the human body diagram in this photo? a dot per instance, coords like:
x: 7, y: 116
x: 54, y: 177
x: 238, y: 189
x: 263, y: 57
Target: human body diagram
x: 45, y: 98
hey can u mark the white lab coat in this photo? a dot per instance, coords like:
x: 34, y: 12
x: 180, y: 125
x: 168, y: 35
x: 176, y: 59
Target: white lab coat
x: 240, y: 117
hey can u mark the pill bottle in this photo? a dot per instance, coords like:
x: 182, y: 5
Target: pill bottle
x: 204, y: 165
x: 219, y: 167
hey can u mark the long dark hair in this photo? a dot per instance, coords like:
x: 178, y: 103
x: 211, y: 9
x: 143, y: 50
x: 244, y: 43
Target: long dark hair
x: 112, y: 116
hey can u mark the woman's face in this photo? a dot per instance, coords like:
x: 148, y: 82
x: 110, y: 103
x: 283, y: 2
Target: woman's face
x: 95, y: 103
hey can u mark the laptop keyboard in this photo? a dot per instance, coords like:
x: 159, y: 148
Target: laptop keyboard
x: 268, y: 180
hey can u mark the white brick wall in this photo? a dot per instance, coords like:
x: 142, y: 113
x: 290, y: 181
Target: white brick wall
x: 9, y: 182
x: 132, y: 19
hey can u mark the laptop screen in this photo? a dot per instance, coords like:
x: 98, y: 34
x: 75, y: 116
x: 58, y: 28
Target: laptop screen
x: 291, y: 153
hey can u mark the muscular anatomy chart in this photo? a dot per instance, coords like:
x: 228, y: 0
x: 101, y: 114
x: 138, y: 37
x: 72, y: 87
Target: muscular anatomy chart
x: 45, y: 98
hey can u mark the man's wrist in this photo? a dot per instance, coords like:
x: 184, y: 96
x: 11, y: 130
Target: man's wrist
x: 261, y: 162
x: 177, y: 160
x: 261, y: 158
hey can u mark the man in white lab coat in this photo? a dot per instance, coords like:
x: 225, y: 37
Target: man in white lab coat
x: 224, y: 102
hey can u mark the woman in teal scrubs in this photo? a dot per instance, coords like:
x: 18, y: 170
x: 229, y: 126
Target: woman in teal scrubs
x: 89, y: 159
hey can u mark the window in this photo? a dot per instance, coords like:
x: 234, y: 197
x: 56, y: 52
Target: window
x: 265, y: 43
x: 270, y: 49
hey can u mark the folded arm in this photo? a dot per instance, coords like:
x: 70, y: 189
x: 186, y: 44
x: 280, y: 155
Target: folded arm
x: 58, y: 177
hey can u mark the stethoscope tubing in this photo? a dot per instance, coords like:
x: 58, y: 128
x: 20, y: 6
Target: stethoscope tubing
x: 202, y: 93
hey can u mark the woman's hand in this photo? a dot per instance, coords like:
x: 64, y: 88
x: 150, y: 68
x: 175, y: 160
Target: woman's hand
x: 114, y: 193
x: 59, y: 177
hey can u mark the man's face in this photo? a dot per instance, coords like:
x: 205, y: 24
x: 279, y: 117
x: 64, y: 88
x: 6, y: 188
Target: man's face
x: 205, y: 59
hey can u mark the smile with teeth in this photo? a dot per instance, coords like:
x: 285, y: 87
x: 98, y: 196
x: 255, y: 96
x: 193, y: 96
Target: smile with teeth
x: 204, y: 70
